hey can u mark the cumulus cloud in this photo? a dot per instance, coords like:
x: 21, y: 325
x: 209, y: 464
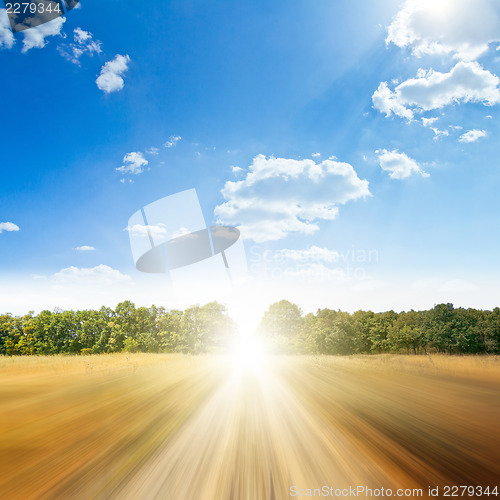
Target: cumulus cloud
x: 316, y: 254
x: 98, y: 274
x: 427, y: 122
x: 439, y: 133
x: 84, y: 248
x: 111, y: 77
x: 472, y: 135
x: 388, y: 102
x: 236, y: 170
x: 35, y: 37
x: 133, y: 163
x: 6, y: 36
x: 466, y: 82
x: 399, y: 165
x: 8, y: 226
x: 462, y: 28
x: 152, y: 151
x: 172, y: 141
x: 83, y: 43
x: 282, y: 196
x: 153, y: 230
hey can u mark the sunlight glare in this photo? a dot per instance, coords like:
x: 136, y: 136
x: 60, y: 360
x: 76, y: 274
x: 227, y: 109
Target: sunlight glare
x: 249, y: 355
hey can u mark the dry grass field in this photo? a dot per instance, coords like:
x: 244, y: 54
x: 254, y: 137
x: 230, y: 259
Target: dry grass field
x: 184, y: 427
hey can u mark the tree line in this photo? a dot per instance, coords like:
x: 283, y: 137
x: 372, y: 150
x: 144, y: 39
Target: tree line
x: 128, y: 328
x: 442, y: 329
x: 283, y: 327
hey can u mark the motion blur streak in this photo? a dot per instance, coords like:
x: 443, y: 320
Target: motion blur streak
x: 179, y: 427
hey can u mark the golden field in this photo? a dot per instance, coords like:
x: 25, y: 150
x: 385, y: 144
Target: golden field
x: 147, y: 426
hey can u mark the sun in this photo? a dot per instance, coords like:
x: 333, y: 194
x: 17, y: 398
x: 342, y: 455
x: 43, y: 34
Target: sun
x: 438, y: 9
x: 249, y: 355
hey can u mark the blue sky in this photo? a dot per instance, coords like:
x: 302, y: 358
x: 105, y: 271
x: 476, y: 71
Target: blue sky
x: 328, y: 131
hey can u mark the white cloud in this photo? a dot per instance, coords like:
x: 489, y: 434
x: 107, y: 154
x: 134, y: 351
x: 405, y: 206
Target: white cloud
x: 98, y: 274
x: 466, y: 82
x: 172, y: 141
x: 182, y: 231
x: 133, y: 163
x: 152, y: 151
x: 82, y: 36
x: 462, y: 28
x: 111, y: 77
x: 8, y: 226
x: 472, y: 135
x: 236, y: 170
x: 35, y: 37
x: 156, y: 231
x: 399, y: 165
x: 439, y: 133
x: 315, y: 155
x: 388, y: 102
x: 84, y: 248
x: 427, y: 122
x: 82, y: 44
x: 282, y: 196
x: 314, y: 253
x: 6, y: 36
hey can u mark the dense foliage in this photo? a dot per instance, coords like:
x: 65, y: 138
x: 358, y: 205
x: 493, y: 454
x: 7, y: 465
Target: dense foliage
x: 443, y: 329
x: 208, y: 328
x: 196, y: 330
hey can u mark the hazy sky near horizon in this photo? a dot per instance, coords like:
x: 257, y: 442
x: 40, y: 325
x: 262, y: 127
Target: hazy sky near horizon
x: 354, y: 143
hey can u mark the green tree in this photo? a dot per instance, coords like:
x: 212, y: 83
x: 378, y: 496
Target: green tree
x: 169, y: 330
x: 130, y: 345
x: 406, y: 332
x: 281, y: 326
x: 205, y: 329
x: 336, y: 332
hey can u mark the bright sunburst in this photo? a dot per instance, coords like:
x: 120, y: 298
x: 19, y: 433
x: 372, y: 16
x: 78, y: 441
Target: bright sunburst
x: 249, y: 355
